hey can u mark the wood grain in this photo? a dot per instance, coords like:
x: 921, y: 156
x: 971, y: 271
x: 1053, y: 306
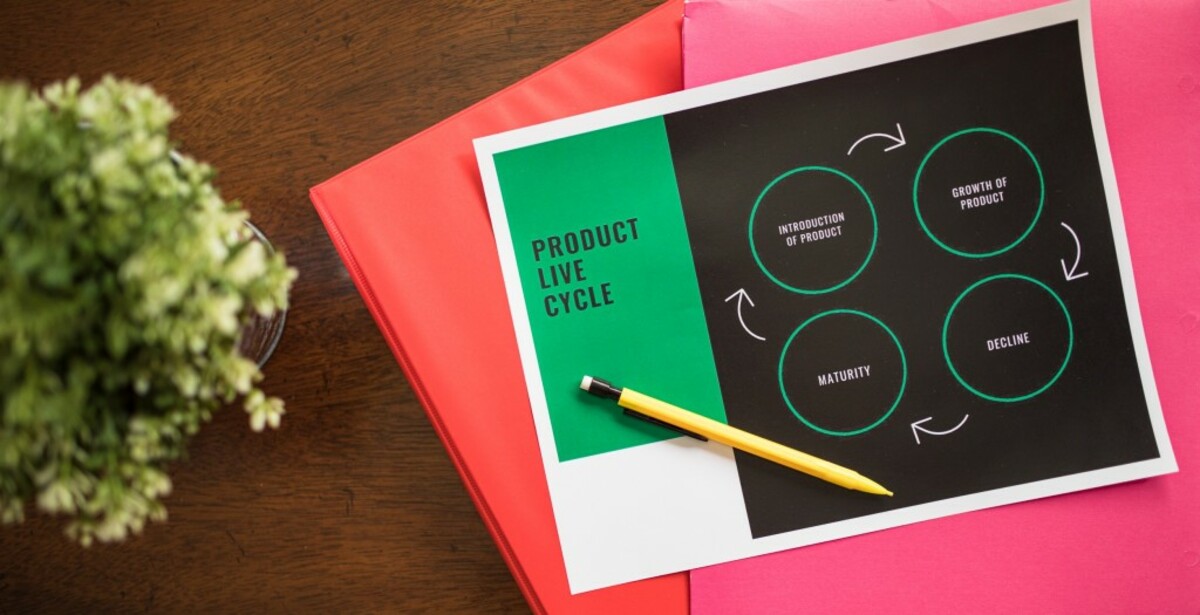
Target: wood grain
x: 353, y: 505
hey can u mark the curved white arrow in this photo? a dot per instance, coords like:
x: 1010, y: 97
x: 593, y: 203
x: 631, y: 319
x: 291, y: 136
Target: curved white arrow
x: 916, y: 427
x: 742, y: 294
x: 1071, y: 275
x: 898, y: 140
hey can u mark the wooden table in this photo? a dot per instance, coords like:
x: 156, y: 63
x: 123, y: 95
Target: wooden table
x: 353, y: 505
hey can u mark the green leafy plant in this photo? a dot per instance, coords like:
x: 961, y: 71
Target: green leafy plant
x: 125, y: 280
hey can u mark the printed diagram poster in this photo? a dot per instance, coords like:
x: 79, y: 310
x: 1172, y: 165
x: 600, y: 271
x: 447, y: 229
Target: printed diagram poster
x: 909, y: 261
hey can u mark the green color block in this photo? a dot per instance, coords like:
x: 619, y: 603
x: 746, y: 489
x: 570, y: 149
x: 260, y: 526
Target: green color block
x: 609, y: 282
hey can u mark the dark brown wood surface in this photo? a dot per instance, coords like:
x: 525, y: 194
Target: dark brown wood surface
x: 352, y: 505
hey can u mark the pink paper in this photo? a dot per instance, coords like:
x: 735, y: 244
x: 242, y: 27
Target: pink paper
x: 1132, y: 548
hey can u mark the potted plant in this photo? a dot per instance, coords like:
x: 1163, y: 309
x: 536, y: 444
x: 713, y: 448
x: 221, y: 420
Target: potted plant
x: 125, y: 280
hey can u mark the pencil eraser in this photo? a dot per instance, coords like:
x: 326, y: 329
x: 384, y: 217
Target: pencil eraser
x: 586, y: 384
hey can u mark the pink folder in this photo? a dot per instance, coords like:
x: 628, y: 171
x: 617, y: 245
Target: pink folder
x: 1132, y: 548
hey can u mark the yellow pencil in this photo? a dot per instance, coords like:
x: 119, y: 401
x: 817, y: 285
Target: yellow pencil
x: 704, y: 428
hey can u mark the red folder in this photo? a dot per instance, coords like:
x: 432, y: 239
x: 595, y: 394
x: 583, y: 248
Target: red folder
x: 412, y: 228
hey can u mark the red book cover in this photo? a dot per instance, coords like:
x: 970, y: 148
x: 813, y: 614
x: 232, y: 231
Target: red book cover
x: 412, y: 228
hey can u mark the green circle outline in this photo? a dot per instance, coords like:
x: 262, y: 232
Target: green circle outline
x: 1066, y: 359
x: 1036, y: 216
x: 899, y: 394
x: 874, y: 235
